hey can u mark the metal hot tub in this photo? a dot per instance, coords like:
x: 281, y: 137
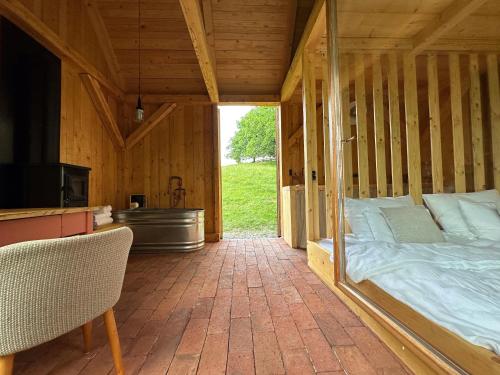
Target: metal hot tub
x: 164, y: 229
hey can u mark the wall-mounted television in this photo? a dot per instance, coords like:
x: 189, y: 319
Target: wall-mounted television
x: 30, y: 99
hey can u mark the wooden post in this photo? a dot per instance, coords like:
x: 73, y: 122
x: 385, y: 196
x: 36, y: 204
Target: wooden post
x: 395, y: 127
x: 435, y: 124
x: 476, y: 124
x: 326, y: 148
x: 335, y: 96
x: 217, y: 172
x: 458, y: 123
x: 494, y: 94
x: 346, y: 125
x: 379, y: 121
x: 412, y: 129
x: 361, y: 126
x: 310, y: 147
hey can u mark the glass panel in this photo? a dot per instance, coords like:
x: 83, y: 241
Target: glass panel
x: 418, y: 167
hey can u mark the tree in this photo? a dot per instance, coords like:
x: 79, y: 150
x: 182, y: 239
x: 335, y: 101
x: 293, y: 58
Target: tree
x: 255, y: 136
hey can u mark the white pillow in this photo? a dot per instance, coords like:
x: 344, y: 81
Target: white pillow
x: 483, y: 220
x: 355, y: 209
x: 379, y: 227
x: 412, y: 225
x: 446, y: 211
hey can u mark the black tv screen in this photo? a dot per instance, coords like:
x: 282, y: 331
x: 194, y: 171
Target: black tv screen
x: 30, y: 97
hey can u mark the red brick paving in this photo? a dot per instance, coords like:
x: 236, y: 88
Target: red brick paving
x: 238, y: 307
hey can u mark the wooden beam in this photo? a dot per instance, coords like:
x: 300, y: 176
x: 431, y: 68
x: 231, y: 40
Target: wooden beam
x: 435, y: 124
x: 345, y: 127
x: 310, y: 148
x: 102, y: 108
x: 451, y: 17
x: 368, y: 45
x: 494, y: 102
x: 194, y: 21
x: 379, y: 122
x: 327, y: 150
x: 232, y: 99
x: 217, y: 172
x: 149, y: 124
x: 412, y: 129
x: 168, y: 98
x: 16, y: 12
x: 361, y: 127
x: 296, y: 135
x: 457, y: 123
x: 208, y: 21
x: 476, y: 123
x: 104, y: 41
x: 315, y: 26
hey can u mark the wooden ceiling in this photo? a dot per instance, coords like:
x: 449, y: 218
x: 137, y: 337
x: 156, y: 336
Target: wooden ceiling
x: 401, y: 25
x: 251, y: 43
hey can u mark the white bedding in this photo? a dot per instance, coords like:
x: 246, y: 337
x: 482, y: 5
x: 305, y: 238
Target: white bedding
x: 456, y: 285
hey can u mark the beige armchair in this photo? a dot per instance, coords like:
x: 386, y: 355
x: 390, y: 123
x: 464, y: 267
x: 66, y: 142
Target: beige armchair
x: 50, y: 287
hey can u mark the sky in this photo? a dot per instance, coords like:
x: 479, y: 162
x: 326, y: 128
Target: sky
x: 229, y: 116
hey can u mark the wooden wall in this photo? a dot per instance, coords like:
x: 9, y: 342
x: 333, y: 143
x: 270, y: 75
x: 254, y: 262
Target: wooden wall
x: 423, y: 124
x: 292, y: 141
x: 85, y: 141
x: 70, y: 21
x: 182, y: 145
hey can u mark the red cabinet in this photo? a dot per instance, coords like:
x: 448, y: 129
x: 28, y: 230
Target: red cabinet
x: 45, y: 226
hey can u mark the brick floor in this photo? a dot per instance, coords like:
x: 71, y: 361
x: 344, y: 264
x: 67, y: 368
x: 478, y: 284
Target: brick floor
x: 237, y: 307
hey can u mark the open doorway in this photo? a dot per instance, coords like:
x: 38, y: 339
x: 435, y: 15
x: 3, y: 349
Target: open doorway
x: 248, y: 171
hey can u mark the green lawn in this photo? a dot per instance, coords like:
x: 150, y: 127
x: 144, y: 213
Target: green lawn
x: 249, y: 200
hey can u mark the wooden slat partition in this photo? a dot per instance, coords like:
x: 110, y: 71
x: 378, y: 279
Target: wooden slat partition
x: 346, y: 125
x: 361, y: 126
x: 494, y: 94
x: 395, y: 126
x: 310, y: 147
x: 435, y: 124
x: 379, y: 121
x: 476, y: 124
x: 458, y: 123
x: 326, y: 148
x: 412, y: 128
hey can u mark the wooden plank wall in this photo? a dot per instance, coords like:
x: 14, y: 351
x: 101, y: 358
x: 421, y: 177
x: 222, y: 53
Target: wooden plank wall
x: 69, y: 19
x: 85, y: 142
x: 292, y: 141
x: 424, y: 124
x: 180, y: 145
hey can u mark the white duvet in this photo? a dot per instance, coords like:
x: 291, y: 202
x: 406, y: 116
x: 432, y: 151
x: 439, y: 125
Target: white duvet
x: 454, y: 285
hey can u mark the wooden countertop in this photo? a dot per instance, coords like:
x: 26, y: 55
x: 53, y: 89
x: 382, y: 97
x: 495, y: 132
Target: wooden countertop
x: 22, y: 213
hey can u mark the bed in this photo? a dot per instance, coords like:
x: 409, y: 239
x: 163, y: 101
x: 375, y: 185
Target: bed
x: 448, y: 293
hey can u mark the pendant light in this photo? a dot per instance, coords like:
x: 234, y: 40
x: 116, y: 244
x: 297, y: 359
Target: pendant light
x: 139, y: 111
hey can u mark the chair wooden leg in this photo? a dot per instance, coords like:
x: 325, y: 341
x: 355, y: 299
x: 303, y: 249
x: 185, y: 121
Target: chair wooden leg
x: 114, y: 340
x: 6, y: 364
x: 87, y: 336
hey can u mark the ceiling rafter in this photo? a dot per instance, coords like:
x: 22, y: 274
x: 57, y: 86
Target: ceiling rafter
x: 193, y: 16
x: 104, y: 41
x: 148, y: 125
x: 450, y: 17
x: 315, y: 27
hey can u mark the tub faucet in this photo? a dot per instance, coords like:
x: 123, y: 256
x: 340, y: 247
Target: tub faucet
x: 176, y: 194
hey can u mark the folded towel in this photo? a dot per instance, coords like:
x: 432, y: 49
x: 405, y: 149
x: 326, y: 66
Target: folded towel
x: 103, y: 210
x: 134, y: 205
x: 102, y: 216
x: 103, y: 221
